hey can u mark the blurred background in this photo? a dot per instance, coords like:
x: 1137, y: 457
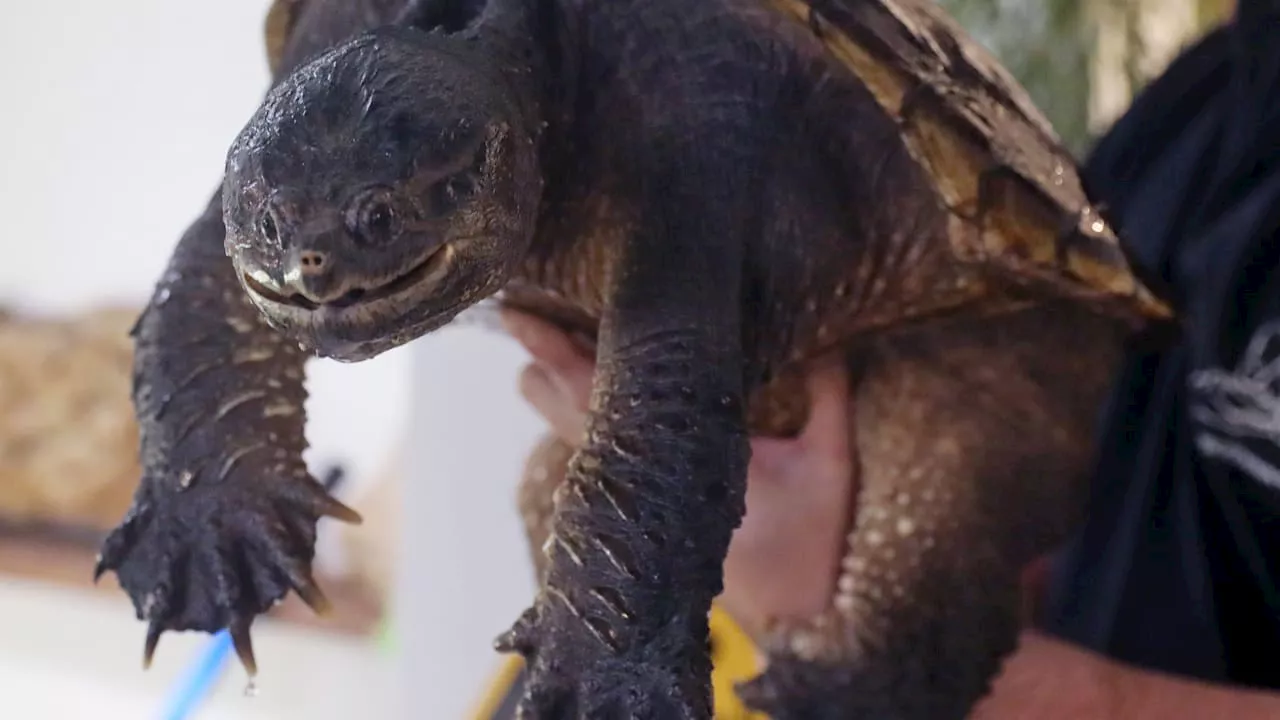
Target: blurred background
x: 116, y: 118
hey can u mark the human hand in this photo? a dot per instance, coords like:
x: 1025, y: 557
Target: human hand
x: 783, y: 559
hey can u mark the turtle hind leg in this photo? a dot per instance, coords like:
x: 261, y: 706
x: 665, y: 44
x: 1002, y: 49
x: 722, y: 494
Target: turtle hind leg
x: 914, y: 632
x: 974, y: 444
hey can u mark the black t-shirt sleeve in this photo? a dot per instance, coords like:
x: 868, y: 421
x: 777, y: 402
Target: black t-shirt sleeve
x: 1176, y: 566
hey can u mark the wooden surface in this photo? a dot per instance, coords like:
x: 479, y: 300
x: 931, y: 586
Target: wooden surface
x: 69, y: 563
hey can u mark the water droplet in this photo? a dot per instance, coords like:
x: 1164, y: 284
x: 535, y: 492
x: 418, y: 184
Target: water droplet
x: 1097, y: 226
x: 162, y: 297
x: 1058, y: 174
x: 184, y: 480
x: 251, y: 689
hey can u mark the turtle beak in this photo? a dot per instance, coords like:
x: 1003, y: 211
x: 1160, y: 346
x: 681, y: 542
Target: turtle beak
x: 263, y: 282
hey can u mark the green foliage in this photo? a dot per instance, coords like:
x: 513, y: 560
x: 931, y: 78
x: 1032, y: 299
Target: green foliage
x: 1046, y: 45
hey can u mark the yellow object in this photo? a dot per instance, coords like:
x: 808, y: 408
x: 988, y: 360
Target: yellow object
x: 499, y: 689
x: 734, y: 660
x: 733, y: 657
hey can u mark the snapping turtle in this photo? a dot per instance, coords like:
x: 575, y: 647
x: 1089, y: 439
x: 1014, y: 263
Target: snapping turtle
x: 713, y: 192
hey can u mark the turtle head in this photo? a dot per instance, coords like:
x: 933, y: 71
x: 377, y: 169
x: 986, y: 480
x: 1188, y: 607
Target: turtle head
x: 381, y: 189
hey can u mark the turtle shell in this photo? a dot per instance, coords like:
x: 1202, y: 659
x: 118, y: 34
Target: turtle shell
x: 1014, y: 194
x: 281, y: 19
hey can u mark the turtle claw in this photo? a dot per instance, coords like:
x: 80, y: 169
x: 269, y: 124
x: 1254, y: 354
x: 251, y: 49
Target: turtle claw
x: 328, y: 506
x: 311, y: 595
x: 315, y: 499
x: 572, y: 673
x: 216, y: 556
x: 616, y: 690
x: 119, y: 540
x: 519, y: 638
x: 154, y: 631
x: 243, y: 642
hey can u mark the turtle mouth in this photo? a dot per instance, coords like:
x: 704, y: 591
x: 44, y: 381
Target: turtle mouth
x: 427, y: 272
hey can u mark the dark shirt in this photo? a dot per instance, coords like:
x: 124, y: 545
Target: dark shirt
x: 1176, y: 568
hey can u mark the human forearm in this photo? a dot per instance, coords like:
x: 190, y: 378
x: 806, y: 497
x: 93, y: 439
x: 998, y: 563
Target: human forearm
x: 1052, y: 680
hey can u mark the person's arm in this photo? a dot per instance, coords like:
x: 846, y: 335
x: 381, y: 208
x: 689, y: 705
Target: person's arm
x: 789, y: 529
x: 1050, y: 679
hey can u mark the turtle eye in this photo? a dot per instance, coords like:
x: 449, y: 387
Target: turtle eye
x: 267, y: 224
x: 376, y: 221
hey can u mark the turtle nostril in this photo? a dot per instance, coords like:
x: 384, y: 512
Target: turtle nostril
x: 312, y: 262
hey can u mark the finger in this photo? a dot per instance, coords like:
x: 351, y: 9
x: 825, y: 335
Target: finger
x: 567, y: 419
x: 575, y: 384
x: 827, y: 431
x: 771, y: 458
x: 546, y: 343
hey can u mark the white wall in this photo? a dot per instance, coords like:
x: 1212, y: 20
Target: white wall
x: 114, y: 121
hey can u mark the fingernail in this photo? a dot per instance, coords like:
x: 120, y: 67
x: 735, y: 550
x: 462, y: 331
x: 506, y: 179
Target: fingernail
x: 522, y: 329
x: 537, y: 381
x: 514, y: 322
x: 554, y: 376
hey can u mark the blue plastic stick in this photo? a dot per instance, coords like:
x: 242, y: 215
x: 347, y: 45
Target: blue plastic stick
x: 200, y: 678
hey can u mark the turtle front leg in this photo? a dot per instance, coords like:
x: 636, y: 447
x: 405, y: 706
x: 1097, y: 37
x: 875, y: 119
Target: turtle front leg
x: 640, y: 532
x: 642, y: 525
x: 642, y: 522
x: 223, y: 523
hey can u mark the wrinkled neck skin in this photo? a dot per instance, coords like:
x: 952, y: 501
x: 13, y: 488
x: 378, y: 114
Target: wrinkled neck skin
x: 528, y: 47
x: 532, y: 48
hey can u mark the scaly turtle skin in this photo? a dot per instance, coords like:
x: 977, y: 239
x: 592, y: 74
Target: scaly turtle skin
x: 713, y: 192
x: 223, y: 522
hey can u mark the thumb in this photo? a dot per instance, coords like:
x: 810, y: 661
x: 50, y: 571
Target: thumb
x: 826, y: 434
